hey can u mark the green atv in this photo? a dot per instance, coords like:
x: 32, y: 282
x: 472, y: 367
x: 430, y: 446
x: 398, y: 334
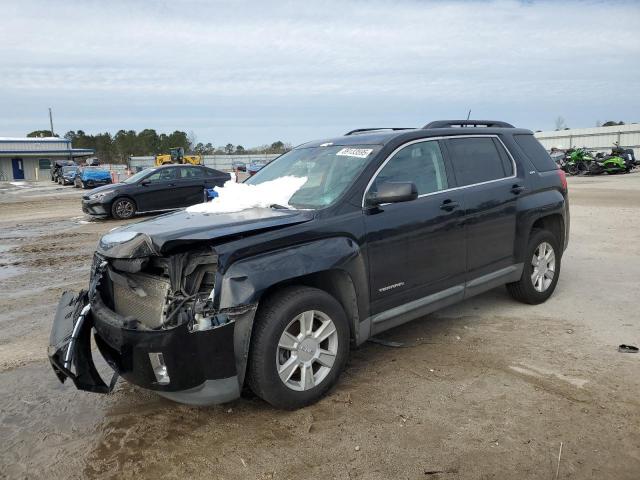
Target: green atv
x: 611, y: 164
x: 577, y: 161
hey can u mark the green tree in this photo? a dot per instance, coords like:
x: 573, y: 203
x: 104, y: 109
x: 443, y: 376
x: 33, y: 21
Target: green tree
x: 276, y: 147
x: 240, y: 150
x: 41, y: 133
x: 228, y: 149
x: 149, y: 142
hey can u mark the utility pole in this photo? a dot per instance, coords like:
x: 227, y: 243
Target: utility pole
x: 51, y: 122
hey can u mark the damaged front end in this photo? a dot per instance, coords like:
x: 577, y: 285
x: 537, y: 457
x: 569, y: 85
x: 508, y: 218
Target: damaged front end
x: 156, y: 323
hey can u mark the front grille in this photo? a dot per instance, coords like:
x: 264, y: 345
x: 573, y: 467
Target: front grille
x: 144, y: 300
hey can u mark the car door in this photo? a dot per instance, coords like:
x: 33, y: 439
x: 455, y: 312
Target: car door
x: 215, y: 178
x: 157, y: 190
x: 191, y: 185
x: 491, y: 189
x: 415, y: 248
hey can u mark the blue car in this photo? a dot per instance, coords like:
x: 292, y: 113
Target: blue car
x: 90, y: 177
x: 255, y: 166
x: 67, y: 175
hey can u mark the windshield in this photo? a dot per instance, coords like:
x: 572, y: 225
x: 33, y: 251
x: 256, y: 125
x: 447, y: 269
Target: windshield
x: 69, y: 169
x: 329, y: 171
x: 139, y: 176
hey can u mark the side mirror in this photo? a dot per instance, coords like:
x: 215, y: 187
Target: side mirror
x: 144, y: 183
x: 393, y: 192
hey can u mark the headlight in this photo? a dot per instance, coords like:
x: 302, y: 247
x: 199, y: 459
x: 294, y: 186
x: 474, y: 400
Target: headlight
x: 99, y: 195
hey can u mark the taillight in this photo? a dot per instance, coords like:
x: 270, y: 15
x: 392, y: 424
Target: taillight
x: 563, y: 179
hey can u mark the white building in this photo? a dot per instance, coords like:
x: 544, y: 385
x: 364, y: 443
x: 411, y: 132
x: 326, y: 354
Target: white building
x: 31, y: 158
x: 596, y: 138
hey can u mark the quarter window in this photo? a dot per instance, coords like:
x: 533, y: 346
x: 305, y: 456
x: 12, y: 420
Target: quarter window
x: 420, y: 163
x: 191, y: 172
x: 477, y: 160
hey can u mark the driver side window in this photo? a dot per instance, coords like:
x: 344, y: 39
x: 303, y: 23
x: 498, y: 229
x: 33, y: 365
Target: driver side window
x: 420, y: 163
x: 162, y: 175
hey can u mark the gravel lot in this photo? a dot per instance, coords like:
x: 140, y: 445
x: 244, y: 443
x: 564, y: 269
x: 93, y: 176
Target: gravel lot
x: 486, y: 389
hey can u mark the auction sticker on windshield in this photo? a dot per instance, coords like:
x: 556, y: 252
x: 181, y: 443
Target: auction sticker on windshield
x: 355, y: 152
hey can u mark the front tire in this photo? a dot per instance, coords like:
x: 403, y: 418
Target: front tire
x: 123, y: 208
x: 541, y: 269
x: 299, y: 347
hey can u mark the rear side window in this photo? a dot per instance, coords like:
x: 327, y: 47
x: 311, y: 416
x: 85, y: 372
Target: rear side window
x: 477, y: 160
x: 535, y: 152
x: 190, y: 172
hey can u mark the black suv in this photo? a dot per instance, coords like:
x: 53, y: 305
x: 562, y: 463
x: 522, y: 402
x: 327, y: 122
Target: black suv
x: 389, y: 225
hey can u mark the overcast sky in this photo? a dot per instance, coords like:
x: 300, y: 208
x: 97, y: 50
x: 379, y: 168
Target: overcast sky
x: 256, y: 72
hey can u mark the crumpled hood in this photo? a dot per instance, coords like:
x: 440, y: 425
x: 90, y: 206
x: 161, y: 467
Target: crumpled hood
x: 152, y: 236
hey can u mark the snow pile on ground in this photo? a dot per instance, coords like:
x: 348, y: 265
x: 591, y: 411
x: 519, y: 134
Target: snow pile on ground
x: 234, y: 197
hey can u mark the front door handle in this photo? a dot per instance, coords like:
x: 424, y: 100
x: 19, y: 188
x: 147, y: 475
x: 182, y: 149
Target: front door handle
x: 449, y: 205
x: 517, y: 189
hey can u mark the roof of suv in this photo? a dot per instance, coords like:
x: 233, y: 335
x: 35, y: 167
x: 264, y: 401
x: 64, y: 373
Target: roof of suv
x: 382, y: 136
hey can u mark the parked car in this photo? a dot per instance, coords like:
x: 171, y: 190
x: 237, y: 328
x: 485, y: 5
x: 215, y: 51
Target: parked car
x: 68, y: 175
x: 90, y: 177
x: 255, y: 166
x: 56, y: 168
x: 153, y: 189
x: 388, y: 226
x: 239, y: 166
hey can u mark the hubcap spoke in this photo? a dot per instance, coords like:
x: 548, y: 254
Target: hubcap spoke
x: 306, y: 323
x: 288, y: 341
x: 325, y: 331
x: 306, y: 376
x: 326, y: 358
x: 288, y: 368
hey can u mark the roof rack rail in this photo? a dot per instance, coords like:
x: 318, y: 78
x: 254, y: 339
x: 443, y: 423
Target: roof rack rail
x: 364, y: 130
x: 468, y: 123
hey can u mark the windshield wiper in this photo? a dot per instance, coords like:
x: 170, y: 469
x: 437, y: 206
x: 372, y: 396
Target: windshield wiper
x: 279, y: 207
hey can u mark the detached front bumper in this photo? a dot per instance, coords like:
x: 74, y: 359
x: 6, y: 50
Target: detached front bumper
x: 70, y: 344
x: 193, y: 367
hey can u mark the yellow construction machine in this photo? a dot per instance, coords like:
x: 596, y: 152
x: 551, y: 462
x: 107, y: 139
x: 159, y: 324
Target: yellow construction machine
x: 177, y: 155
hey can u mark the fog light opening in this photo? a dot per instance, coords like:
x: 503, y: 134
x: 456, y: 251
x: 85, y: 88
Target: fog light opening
x: 159, y: 368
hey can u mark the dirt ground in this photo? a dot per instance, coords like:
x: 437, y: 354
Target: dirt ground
x: 487, y: 389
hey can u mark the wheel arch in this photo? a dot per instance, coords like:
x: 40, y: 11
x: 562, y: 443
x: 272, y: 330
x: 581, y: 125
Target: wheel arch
x: 334, y: 265
x: 553, y: 223
x: 336, y: 283
x: 545, y: 209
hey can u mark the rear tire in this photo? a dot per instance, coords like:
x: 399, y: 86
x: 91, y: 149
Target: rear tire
x: 290, y: 365
x: 123, y: 208
x: 535, y: 285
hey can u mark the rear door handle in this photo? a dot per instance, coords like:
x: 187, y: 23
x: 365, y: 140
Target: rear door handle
x: 517, y: 189
x: 449, y: 205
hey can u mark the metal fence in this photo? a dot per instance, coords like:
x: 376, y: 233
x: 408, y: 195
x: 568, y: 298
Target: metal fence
x: 219, y: 162
x: 596, y: 139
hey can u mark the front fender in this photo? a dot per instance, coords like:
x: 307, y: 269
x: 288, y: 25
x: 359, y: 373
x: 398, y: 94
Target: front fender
x: 245, y: 281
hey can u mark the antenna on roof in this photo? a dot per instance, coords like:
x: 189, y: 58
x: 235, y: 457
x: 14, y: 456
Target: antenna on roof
x: 51, y: 122
x: 469, y: 114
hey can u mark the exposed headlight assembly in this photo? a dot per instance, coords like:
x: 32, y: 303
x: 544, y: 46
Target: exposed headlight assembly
x: 125, y: 244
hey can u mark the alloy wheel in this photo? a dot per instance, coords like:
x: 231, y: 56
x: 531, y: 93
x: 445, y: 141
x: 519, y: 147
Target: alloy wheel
x: 307, y: 350
x: 544, y: 267
x: 124, y: 209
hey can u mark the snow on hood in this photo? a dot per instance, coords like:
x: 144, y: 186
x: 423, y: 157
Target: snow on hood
x: 234, y: 197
